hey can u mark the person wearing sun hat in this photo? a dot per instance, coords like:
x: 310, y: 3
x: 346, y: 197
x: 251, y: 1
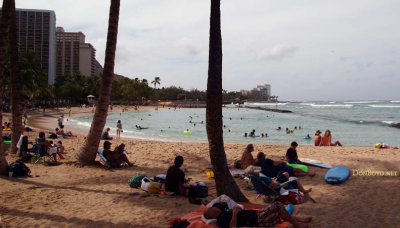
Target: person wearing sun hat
x: 317, y: 139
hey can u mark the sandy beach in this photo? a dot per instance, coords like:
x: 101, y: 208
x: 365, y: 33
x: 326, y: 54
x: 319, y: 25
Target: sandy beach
x: 67, y: 195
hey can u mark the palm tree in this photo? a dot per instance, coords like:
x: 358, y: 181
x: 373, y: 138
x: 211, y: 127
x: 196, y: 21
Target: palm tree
x: 3, y: 46
x: 87, y: 152
x: 16, y: 108
x: 156, y: 81
x: 223, y: 178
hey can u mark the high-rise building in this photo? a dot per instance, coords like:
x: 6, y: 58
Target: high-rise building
x: 87, y: 59
x: 36, y: 32
x: 73, y: 54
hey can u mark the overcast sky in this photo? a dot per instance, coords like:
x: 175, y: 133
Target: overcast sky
x: 306, y: 50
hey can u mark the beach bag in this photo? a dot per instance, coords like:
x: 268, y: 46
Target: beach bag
x: 160, y: 178
x: 238, y: 164
x: 154, y: 188
x: 198, y: 190
x: 19, y: 169
x: 291, y: 196
x: 136, y: 181
x: 145, y: 184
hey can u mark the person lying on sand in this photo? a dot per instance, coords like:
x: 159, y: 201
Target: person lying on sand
x: 272, y: 168
x: 274, y: 183
x: 175, y: 179
x: 117, y: 156
x: 326, y: 140
x: 233, y: 215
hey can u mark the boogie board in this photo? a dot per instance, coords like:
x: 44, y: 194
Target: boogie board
x: 316, y: 163
x: 104, y: 158
x: 299, y: 166
x: 337, y: 174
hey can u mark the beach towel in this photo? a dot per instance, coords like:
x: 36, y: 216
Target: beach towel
x: 195, y: 220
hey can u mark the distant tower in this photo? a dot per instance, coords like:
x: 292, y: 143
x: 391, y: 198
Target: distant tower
x: 36, y: 32
x: 73, y: 54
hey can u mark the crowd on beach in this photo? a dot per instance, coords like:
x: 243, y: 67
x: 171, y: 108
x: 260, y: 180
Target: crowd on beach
x: 272, y: 174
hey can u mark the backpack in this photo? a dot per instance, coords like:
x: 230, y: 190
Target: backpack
x: 53, y: 136
x: 136, y: 181
x: 198, y: 190
x: 19, y: 169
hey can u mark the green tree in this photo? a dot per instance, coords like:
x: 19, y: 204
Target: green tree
x: 88, y: 151
x: 223, y: 179
x: 156, y: 81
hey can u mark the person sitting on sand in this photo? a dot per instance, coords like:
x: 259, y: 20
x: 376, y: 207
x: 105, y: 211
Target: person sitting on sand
x: 272, y: 168
x: 326, y: 140
x: 51, y: 150
x: 317, y: 138
x: 230, y: 214
x: 106, y: 135
x: 247, y: 157
x: 117, y: 156
x: 175, y: 178
x: 63, y: 133
x: 291, y: 154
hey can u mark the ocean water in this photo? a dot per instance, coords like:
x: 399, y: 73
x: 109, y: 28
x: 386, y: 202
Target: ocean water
x: 353, y: 123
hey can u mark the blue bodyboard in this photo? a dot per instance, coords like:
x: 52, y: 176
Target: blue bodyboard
x: 337, y: 174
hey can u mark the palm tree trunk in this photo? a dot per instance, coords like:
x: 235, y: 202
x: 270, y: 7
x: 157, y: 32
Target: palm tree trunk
x: 87, y: 152
x: 223, y: 178
x: 3, y: 46
x: 16, y: 109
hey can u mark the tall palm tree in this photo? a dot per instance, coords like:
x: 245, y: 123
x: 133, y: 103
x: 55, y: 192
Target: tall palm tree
x: 3, y: 46
x: 156, y: 81
x: 16, y: 108
x: 223, y: 178
x: 87, y: 152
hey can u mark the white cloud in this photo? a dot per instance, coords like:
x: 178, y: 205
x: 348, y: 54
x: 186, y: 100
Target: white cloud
x: 278, y: 52
x: 299, y: 47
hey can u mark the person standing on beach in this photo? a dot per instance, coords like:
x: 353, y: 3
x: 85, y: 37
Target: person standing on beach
x: 119, y: 129
x: 61, y: 120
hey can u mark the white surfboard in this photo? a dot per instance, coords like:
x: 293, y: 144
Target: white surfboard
x: 316, y: 163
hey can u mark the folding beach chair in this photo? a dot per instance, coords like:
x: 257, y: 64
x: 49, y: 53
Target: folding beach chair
x: 262, y: 189
x: 103, y: 158
x: 39, y: 151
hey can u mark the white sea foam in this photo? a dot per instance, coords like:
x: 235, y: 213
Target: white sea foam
x: 395, y: 101
x: 265, y: 104
x: 332, y: 106
x: 83, y: 124
x: 387, y: 122
x: 306, y: 103
x: 384, y: 106
x: 360, y: 102
x: 333, y: 102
